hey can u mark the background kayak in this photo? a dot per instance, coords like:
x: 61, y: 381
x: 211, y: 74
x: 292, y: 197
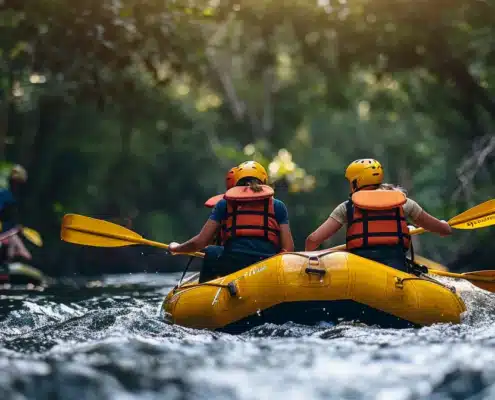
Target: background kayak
x: 20, y: 273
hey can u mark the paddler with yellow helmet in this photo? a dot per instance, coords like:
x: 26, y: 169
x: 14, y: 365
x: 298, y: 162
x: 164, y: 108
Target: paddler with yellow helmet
x: 376, y: 217
x: 254, y: 224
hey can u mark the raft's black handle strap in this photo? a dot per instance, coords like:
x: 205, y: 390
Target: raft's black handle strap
x: 315, y: 261
x: 415, y: 268
x: 317, y: 271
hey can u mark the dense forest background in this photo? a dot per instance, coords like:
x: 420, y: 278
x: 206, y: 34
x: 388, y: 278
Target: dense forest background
x: 133, y: 111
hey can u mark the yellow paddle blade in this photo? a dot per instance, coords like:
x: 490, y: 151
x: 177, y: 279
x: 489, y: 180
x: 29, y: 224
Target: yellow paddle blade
x: 33, y: 236
x: 479, y: 216
x: 483, y: 279
x: 487, y: 274
x: 477, y: 223
x: 88, y: 231
x: 488, y: 207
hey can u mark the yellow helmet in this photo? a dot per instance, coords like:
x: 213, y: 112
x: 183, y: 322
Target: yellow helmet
x: 251, y: 169
x: 18, y: 173
x: 364, y: 172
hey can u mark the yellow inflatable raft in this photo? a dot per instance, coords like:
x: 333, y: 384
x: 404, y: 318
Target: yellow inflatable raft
x: 309, y: 287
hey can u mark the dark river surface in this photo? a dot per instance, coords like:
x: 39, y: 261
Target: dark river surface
x: 104, y: 339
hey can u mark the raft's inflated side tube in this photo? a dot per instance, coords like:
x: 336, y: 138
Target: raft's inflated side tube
x: 310, y: 287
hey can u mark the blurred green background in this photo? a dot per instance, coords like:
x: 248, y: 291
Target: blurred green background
x: 133, y: 111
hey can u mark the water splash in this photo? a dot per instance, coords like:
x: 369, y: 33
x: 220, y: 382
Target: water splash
x: 107, y: 341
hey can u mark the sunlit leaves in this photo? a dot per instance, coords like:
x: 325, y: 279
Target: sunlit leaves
x: 157, y: 100
x: 283, y: 167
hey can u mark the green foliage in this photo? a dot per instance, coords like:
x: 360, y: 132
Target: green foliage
x: 136, y: 110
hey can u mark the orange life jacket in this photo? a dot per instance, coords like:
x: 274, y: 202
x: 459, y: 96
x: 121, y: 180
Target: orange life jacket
x: 376, y: 218
x: 251, y: 214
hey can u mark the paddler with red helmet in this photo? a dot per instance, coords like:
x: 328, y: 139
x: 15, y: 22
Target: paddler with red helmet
x: 253, y: 223
x: 230, y: 181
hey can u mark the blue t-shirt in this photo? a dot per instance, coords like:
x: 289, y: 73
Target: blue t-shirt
x: 6, y: 199
x: 250, y: 245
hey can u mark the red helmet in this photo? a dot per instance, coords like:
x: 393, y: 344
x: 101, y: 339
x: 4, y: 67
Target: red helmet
x: 230, y: 178
x: 230, y: 181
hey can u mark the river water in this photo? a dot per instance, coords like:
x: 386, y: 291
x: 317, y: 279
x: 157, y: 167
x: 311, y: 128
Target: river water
x: 103, y: 339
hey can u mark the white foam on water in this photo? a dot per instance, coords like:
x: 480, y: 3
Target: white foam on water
x: 114, y: 346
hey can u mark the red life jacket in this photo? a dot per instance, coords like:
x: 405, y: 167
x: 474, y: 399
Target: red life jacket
x: 251, y: 214
x: 211, y: 203
x: 376, y: 218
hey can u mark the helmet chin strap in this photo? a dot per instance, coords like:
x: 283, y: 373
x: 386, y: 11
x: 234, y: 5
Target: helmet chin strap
x: 369, y: 186
x: 356, y: 188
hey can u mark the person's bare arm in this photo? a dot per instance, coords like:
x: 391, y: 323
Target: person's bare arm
x: 432, y: 224
x: 17, y: 248
x: 286, y: 240
x: 198, y: 242
x: 324, y: 232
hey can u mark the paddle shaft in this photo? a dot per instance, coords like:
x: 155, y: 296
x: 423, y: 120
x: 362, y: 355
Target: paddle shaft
x: 462, y: 276
x: 131, y: 240
x: 9, y: 233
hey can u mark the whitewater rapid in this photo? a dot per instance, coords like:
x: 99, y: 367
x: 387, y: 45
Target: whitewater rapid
x: 105, y: 340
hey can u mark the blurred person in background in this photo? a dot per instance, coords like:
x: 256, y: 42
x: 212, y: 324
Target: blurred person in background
x: 12, y: 246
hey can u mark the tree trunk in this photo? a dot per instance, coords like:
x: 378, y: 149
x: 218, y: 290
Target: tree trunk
x: 6, y: 110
